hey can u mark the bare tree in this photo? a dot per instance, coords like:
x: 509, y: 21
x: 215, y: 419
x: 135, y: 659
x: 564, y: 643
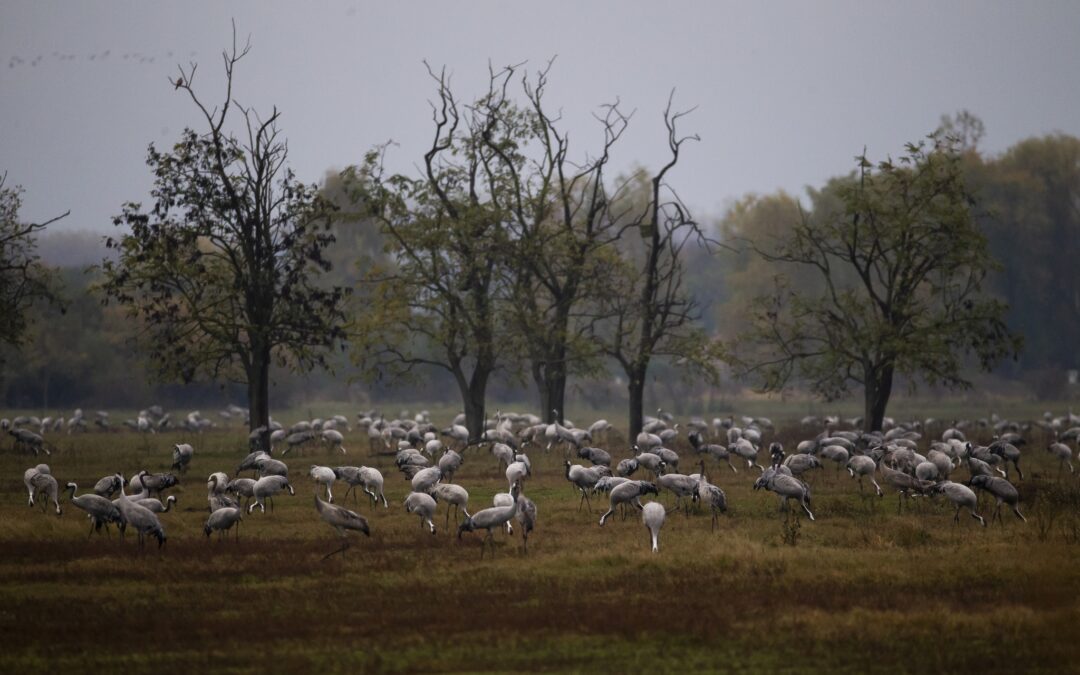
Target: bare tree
x: 650, y: 312
x: 444, y: 302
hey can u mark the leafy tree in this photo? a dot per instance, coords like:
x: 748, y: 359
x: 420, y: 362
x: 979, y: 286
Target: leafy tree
x: 24, y: 280
x: 223, y: 273
x: 1032, y: 221
x: 901, y: 267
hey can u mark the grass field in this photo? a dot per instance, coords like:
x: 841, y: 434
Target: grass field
x: 861, y: 589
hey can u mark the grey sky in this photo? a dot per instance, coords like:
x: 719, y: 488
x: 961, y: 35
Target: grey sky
x: 787, y: 92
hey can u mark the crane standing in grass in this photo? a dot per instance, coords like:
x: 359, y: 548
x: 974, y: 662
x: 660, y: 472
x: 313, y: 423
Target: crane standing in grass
x: 222, y: 520
x: 491, y: 518
x: 342, y: 520
x: 653, y: 515
x: 100, y: 510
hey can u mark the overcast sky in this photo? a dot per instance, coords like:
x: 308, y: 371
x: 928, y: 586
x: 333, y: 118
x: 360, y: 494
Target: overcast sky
x: 787, y: 92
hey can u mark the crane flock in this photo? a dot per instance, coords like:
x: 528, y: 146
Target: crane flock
x: 428, y: 459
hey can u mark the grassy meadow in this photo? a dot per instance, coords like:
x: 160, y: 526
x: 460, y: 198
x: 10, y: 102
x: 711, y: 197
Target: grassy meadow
x: 861, y: 589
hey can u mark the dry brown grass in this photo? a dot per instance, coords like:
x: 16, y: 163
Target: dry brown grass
x: 863, y: 588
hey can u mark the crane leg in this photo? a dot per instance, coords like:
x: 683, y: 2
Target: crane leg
x: 344, y: 546
x: 604, y: 517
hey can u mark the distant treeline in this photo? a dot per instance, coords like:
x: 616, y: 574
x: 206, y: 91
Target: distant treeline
x: 1028, y: 206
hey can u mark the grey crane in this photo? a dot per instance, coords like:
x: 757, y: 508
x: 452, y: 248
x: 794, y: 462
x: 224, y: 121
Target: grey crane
x: 369, y: 479
x: 155, y: 505
x: 490, y: 518
x: 342, y: 520
x: 745, y: 449
x: 786, y: 487
x: 449, y: 463
x: 526, y: 515
x: 942, y: 461
x: 517, y: 472
x: 182, y: 454
x: 142, y: 519
x: 269, y: 466
x: 629, y: 492
x: 862, y: 465
x: 503, y: 452
x: 24, y: 438
x: 1063, y: 454
x: 217, y: 484
x: 107, y: 486
x: 502, y: 499
x: 680, y: 485
x: 100, y: 510
x: 800, y: 463
x: 45, y: 484
x: 710, y: 494
x: 836, y: 453
x: 961, y: 496
x: 425, y: 479
x: 650, y: 461
x: 584, y: 479
x: 1003, y: 491
x: 325, y: 476
x: 595, y: 455
x: 222, y: 520
x: 298, y: 440
x: 928, y: 471
x: 653, y: 515
x: 1008, y: 452
x: 28, y: 479
x: 607, y: 483
x: 978, y: 467
x: 156, y: 482
x: 627, y: 467
x: 423, y: 505
x: 903, y: 483
x: 251, y: 461
x: 265, y: 488
x: 453, y: 495
x: 333, y: 439
x: 241, y: 487
x: 718, y: 452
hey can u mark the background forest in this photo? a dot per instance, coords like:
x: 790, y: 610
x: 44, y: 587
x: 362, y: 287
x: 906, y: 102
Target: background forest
x: 1027, y: 204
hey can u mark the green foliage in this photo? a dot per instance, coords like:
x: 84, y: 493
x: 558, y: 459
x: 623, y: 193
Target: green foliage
x: 1029, y: 213
x: 24, y: 280
x: 901, y: 270
x: 223, y: 273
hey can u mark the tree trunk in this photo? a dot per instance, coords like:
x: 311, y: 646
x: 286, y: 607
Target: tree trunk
x: 259, y: 394
x: 636, y: 388
x: 473, y: 394
x: 551, y: 382
x: 878, y: 390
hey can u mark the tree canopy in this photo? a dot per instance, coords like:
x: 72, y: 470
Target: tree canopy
x: 901, y: 269
x: 24, y: 280
x: 223, y: 273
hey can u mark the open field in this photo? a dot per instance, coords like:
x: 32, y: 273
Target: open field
x: 862, y: 589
